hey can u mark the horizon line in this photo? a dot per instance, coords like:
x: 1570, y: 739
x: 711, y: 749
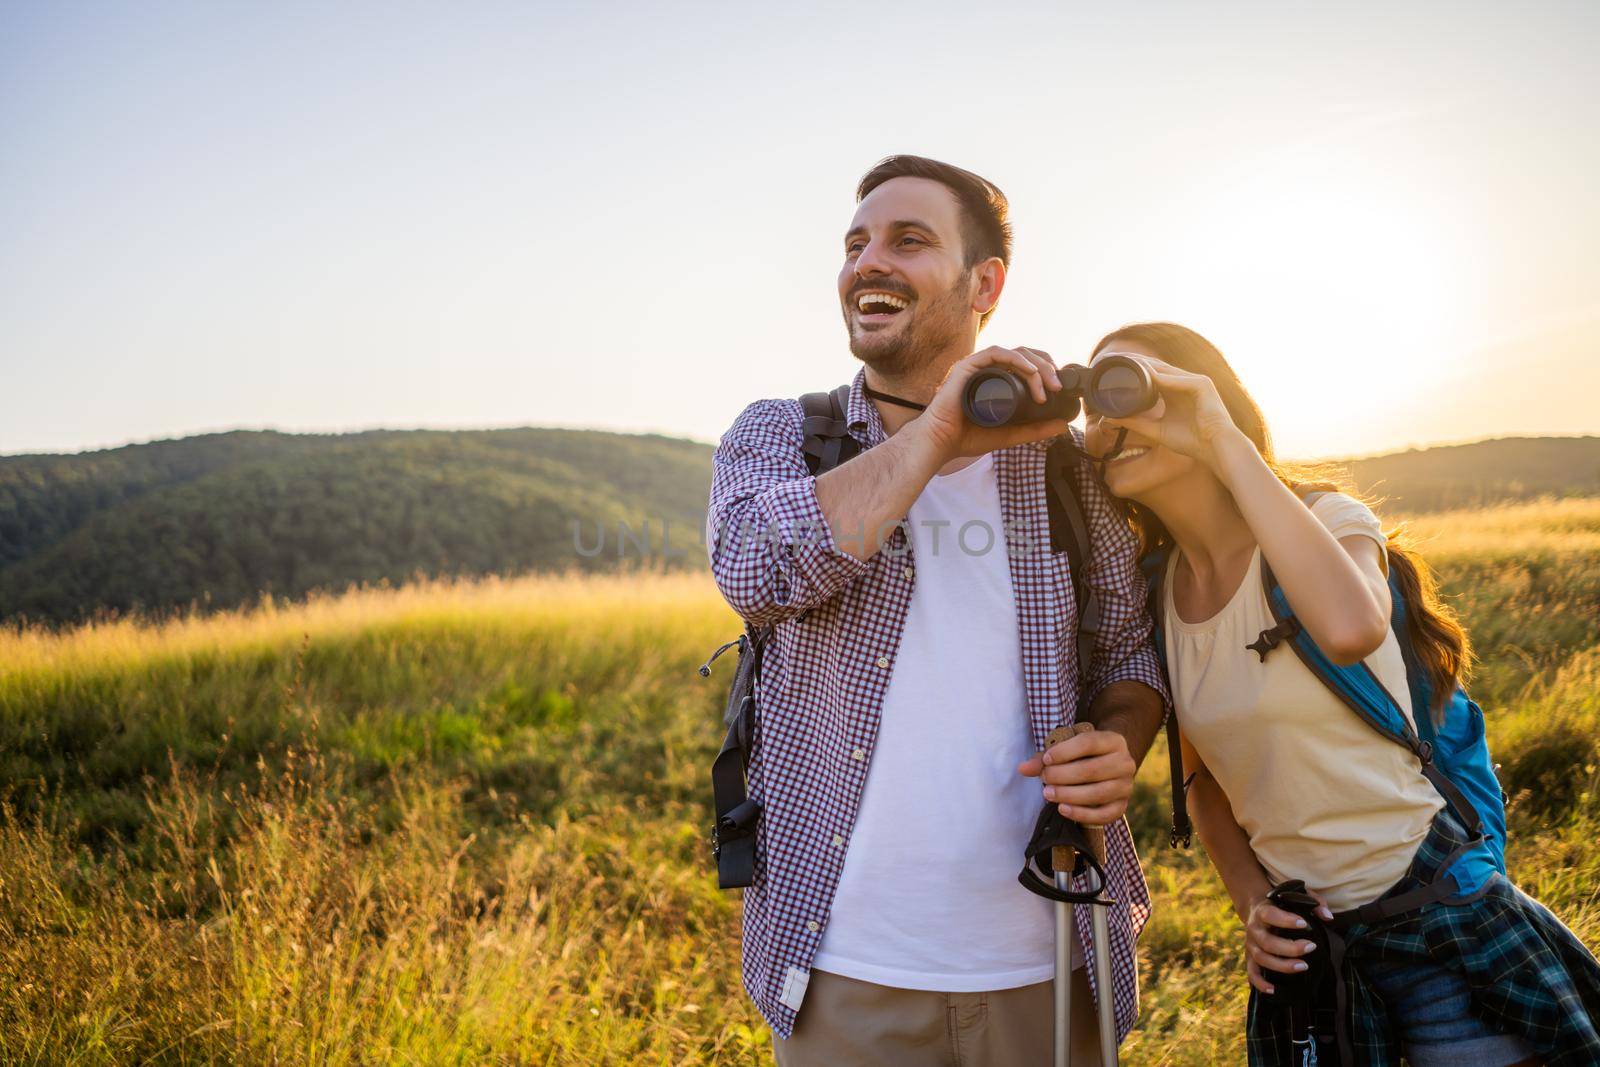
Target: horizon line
x: 584, y: 428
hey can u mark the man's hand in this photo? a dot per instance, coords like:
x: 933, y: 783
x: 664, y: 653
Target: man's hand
x: 1088, y: 776
x: 946, y: 424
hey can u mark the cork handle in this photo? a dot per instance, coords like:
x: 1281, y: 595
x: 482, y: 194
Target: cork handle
x: 1061, y: 857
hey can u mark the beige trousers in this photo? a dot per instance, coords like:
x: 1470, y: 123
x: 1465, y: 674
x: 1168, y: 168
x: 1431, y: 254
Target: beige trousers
x: 844, y: 1022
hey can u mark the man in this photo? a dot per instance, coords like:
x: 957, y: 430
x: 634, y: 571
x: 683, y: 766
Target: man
x: 913, y: 676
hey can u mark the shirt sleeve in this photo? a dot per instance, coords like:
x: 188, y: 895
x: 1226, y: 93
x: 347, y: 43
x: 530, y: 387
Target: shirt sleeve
x: 1123, y: 651
x: 772, y: 552
x: 1345, y: 516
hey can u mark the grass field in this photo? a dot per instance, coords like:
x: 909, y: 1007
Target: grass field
x: 465, y: 823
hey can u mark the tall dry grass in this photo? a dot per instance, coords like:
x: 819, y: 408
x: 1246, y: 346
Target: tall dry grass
x: 465, y: 822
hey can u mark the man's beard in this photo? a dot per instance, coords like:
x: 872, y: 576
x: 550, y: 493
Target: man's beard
x: 937, y: 325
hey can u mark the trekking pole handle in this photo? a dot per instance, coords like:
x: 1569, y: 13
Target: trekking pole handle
x: 1062, y: 857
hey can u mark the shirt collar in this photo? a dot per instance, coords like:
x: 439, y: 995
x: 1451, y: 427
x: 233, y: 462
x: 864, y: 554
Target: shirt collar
x: 861, y: 415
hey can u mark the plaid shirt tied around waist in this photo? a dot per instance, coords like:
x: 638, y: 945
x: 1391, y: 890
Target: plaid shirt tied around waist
x: 837, y: 624
x: 1529, y: 975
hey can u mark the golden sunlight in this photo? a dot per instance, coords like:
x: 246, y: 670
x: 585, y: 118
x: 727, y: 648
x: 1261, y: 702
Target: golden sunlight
x: 1310, y: 264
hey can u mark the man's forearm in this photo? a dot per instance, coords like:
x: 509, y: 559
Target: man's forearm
x: 863, y: 499
x: 1133, y: 710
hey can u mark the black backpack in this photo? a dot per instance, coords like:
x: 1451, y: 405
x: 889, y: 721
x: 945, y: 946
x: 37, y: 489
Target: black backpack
x: 827, y: 444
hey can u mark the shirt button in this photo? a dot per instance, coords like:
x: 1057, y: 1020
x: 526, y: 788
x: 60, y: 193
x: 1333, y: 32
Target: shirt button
x: 859, y: 754
x: 909, y: 572
x: 883, y: 661
x: 813, y: 926
x: 838, y: 841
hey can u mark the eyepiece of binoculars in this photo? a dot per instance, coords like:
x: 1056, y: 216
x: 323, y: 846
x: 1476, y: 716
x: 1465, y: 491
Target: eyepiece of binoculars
x: 1116, y: 386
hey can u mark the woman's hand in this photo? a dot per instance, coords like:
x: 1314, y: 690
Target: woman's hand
x: 1188, y: 418
x: 1266, y: 952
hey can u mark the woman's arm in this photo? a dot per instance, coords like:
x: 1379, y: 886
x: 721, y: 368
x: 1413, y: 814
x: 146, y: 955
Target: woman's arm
x: 1243, y: 877
x: 1225, y: 840
x: 1337, y: 588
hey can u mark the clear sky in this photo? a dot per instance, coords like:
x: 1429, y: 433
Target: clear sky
x: 341, y: 216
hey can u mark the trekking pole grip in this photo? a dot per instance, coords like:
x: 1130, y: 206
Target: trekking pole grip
x: 1062, y: 857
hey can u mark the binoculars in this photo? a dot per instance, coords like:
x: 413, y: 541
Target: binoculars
x: 1116, y: 386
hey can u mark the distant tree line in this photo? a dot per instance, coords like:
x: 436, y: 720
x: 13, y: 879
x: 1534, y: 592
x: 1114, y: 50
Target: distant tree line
x: 217, y: 520
x: 1482, y: 473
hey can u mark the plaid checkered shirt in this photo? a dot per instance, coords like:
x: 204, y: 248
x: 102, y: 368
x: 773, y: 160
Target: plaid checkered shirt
x: 1529, y: 975
x: 837, y: 624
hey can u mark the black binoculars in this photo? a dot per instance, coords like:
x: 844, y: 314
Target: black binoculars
x: 1116, y: 386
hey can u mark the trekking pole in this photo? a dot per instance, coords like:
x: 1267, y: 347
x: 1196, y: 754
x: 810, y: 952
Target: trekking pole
x: 1062, y: 860
x: 1105, y: 1002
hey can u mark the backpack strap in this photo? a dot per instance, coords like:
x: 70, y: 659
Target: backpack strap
x: 1069, y: 532
x: 1359, y: 689
x: 827, y: 441
x: 1154, y: 565
x: 1181, y: 833
x: 1356, y: 686
x: 733, y: 835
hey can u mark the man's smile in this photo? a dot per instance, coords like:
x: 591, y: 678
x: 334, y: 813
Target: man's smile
x: 874, y: 306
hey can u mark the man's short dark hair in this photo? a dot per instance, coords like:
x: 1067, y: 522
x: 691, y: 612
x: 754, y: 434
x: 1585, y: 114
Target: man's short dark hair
x: 985, y: 228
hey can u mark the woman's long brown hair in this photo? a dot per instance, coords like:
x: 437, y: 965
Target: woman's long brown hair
x: 1441, y: 644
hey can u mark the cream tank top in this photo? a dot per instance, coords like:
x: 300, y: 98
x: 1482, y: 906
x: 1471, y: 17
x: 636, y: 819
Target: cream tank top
x: 1321, y: 795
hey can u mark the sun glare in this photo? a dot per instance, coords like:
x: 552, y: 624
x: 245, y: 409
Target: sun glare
x: 1304, y: 268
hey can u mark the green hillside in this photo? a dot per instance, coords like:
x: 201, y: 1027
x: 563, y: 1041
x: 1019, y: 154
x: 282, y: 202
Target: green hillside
x: 221, y: 518
x: 1485, y: 472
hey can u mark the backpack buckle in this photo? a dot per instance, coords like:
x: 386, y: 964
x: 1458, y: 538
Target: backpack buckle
x: 736, y: 825
x: 1270, y: 639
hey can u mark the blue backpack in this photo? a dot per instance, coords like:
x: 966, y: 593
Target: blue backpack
x: 1454, y: 756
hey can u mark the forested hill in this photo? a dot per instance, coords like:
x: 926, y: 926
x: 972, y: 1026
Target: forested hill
x: 1485, y: 472
x: 217, y: 519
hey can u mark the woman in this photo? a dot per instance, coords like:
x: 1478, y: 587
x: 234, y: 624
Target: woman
x: 1288, y: 782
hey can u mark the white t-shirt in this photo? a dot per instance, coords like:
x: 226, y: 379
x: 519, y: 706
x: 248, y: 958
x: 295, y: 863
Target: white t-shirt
x: 928, y: 898
x: 1322, y: 796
